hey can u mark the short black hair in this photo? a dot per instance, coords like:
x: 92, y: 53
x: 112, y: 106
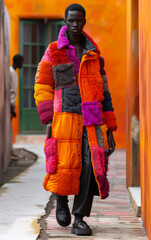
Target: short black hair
x: 17, y: 57
x: 75, y: 7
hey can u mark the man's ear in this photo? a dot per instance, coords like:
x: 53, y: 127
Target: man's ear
x: 84, y: 21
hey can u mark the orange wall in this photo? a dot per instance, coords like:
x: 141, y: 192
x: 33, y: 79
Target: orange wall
x: 132, y: 83
x: 106, y: 23
x: 145, y: 109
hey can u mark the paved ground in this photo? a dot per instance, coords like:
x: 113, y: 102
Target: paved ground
x: 23, y: 200
x: 22, y: 203
x: 112, y: 218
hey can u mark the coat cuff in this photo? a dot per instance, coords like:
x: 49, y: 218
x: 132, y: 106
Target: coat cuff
x: 45, y: 111
x: 110, y: 121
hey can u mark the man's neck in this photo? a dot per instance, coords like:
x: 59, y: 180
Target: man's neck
x: 75, y: 40
x: 14, y: 66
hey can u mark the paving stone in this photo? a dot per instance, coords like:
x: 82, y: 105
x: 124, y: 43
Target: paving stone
x: 112, y: 218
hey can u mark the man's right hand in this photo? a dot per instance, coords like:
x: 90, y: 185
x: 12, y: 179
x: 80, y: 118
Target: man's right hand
x: 48, y: 129
x: 13, y: 113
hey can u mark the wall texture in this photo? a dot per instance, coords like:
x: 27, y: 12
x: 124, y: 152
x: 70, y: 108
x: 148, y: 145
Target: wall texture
x: 132, y: 94
x: 138, y: 88
x: 145, y: 109
x: 106, y: 23
x: 4, y: 89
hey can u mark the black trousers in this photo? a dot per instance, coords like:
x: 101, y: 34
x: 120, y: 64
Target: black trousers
x: 88, y: 187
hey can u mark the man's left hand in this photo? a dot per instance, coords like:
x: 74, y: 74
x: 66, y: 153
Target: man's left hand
x: 111, y: 142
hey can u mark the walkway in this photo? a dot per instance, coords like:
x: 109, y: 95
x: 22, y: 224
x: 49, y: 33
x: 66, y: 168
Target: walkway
x: 23, y: 200
x: 113, y: 218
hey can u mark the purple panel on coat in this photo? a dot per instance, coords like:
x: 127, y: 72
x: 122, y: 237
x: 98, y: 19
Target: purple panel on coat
x: 91, y: 113
x: 58, y: 100
x: 45, y: 111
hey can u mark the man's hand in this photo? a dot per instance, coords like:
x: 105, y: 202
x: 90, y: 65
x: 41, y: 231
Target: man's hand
x: 48, y: 129
x: 111, y: 142
x: 13, y: 113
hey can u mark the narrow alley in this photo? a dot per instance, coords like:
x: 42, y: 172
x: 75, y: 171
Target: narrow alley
x: 23, y: 202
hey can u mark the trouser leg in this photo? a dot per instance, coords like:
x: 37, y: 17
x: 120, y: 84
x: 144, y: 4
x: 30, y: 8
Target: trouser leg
x: 83, y: 202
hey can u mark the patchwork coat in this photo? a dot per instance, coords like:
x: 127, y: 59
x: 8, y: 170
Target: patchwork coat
x: 73, y: 94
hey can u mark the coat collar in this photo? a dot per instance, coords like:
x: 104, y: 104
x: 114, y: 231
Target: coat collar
x: 89, y: 44
x: 62, y: 39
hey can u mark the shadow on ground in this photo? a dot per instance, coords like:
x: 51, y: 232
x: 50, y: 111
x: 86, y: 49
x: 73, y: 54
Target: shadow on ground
x: 26, y: 159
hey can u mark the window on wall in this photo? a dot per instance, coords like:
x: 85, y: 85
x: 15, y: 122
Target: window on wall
x: 35, y: 35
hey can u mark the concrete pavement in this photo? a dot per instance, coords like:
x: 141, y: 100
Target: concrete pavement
x: 23, y: 200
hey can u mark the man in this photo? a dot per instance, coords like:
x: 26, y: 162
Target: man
x: 17, y: 63
x: 71, y: 88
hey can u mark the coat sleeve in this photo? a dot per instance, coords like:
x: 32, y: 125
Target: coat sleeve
x: 44, y: 88
x: 108, y: 109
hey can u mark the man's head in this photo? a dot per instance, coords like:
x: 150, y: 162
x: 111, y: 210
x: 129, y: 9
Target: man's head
x: 75, y: 19
x: 18, y: 61
x: 75, y: 7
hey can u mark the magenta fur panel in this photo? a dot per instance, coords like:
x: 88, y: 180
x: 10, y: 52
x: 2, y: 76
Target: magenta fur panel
x: 58, y: 100
x: 91, y: 113
x: 62, y: 40
x: 51, y: 153
x: 98, y: 159
x: 45, y: 111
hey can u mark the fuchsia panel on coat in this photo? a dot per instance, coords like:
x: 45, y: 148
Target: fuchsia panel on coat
x: 98, y: 159
x: 58, y: 100
x: 51, y: 153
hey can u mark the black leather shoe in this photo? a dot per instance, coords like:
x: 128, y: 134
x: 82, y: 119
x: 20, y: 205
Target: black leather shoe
x: 81, y: 228
x: 63, y: 215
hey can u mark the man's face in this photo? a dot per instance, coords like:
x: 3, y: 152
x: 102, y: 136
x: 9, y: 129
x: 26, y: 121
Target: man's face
x: 75, y: 22
x: 19, y: 63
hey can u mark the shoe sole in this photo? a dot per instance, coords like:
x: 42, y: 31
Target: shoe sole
x: 82, y: 232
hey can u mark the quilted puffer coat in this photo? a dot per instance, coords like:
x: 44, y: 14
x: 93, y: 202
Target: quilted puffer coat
x: 73, y: 94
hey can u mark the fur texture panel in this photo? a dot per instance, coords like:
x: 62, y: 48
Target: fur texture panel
x: 92, y: 113
x: 45, y: 111
x: 99, y: 165
x: 58, y: 100
x: 51, y: 153
x: 63, y: 75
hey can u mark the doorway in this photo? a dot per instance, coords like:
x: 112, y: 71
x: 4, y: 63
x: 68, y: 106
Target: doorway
x: 35, y: 35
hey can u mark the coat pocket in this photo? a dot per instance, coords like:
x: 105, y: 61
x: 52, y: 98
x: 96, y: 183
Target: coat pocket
x: 92, y: 113
x: 63, y: 75
x: 51, y: 153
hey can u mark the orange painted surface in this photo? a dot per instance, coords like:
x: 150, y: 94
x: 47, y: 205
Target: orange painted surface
x: 106, y: 23
x: 128, y: 94
x: 145, y: 109
x: 132, y: 83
